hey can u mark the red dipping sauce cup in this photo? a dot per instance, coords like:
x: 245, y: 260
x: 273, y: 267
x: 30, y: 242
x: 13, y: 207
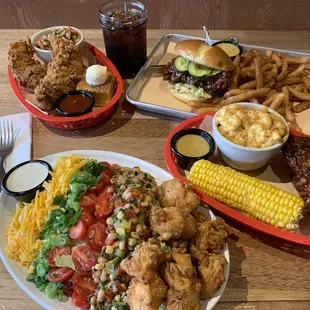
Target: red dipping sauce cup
x: 124, y: 32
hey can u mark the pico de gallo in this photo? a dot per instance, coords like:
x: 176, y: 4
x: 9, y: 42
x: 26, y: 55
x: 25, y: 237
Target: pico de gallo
x: 99, y: 222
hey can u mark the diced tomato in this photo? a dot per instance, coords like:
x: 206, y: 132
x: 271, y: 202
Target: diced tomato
x: 97, y: 189
x: 121, y: 272
x: 105, y: 163
x: 78, y: 231
x: 114, y: 166
x: 84, y: 281
x: 96, y: 236
x: 68, y: 290
x: 88, y: 218
x: 131, y: 214
x: 60, y: 274
x: 135, y: 192
x: 108, y: 295
x: 108, y: 241
x: 145, y: 236
x: 103, y: 206
x: 109, y: 188
x: 56, y: 252
x: 83, y: 258
x: 87, y: 201
x: 79, y: 299
x: 106, y: 177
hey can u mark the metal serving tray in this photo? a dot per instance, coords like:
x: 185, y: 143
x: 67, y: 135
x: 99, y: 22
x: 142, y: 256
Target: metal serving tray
x: 136, y: 88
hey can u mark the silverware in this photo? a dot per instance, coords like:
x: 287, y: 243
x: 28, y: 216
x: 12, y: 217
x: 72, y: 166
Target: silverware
x: 6, y: 144
x: 157, y: 70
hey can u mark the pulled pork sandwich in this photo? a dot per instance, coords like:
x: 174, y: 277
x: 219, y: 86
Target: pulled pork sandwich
x: 199, y: 72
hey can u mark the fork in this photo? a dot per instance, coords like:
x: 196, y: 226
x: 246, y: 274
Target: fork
x: 6, y: 144
x: 157, y: 69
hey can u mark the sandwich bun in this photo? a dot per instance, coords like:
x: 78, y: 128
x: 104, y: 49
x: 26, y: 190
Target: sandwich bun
x: 201, y: 53
x: 185, y: 97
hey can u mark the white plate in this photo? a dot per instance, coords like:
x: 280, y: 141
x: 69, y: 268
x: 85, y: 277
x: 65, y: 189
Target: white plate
x: 7, y: 207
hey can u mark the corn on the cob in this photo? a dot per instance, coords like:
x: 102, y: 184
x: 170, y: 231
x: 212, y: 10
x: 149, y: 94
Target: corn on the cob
x: 251, y: 196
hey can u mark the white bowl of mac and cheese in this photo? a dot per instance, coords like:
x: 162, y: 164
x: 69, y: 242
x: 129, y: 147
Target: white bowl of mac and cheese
x: 248, y: 135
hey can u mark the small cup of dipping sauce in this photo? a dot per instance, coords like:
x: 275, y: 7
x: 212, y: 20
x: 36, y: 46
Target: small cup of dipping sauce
x: 190, y: 145
x: 75, y: 103
x: 23, y: 180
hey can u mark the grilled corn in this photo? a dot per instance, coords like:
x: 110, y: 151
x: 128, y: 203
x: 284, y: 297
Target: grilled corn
x: 251, y: 196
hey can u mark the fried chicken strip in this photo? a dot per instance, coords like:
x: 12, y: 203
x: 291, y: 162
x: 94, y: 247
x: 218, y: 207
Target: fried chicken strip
x: 211, y: 270
x: 64, y: 71
x: 211, y: 236
x: 143, y: 296
x: 174, y: 194
x: 147, y: 257
x: 172, y: 223
x: 27, y: 71
x: 184, y: 286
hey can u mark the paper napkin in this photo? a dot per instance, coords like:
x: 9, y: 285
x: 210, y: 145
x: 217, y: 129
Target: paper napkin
x: 22, y: 135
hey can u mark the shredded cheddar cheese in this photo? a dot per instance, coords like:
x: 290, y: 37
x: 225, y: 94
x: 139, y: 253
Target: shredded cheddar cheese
x: 30, y: 218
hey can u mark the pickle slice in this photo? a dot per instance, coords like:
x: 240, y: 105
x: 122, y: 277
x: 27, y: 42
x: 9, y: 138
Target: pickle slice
x: 181, y: 63
x: 197, y: 70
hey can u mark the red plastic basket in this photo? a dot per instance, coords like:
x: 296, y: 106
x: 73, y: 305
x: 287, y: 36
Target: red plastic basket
x: 194, y: 122
x: 78, y: 122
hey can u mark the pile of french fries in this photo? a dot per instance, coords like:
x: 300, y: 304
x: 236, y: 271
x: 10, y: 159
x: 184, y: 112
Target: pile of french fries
x: 274, y: 80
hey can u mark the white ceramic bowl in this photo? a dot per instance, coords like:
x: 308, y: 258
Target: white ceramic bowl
x: 44, y: 54
x: 241, y: 157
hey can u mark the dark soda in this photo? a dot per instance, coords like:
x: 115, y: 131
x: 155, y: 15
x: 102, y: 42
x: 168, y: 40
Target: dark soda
x: 124, y: 32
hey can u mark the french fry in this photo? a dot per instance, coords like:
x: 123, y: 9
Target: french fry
x: 236, y: 74
x: 248, y: 59
x: 267, y: 67
x: 301, y: 87
x: 256, y: 53
x: 282, y: 75
x: 245, y: 96
x: 305, y: 80
x: 286, y: 93
x: 299, y: 95
x: 295, y: 126
x: 277, y: 101
x: 296, y: 72
x: 288, y: 81
x: 270, y: 83
x: 269, y: 53
x: 258, y: 73
x: 268, y: 101
x: 248, y: 85
x: 267, y: 78
x: 254, y: 100
x: 297, y: 60
x: 277, y: 60
x: 301, y: 106
x: 281, y: 110
x: 270, y: 93
x: 234, y: 92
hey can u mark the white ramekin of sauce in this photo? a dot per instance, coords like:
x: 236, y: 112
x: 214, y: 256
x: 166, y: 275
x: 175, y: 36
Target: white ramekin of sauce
x: 24, y: 180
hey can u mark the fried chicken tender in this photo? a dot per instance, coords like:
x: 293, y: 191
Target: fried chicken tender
x: 143, y: 296
x: 211, y: 236
x: 27, y: 71
x: 172, y: 223
x: 184, y: 285
x: 64, y: 71
x: 212, y: 275
x: 174, y: 194
x: 147, y: 257
x: 184, y: 300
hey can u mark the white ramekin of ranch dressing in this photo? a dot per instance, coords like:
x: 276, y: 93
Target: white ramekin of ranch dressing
x: 23, y: 180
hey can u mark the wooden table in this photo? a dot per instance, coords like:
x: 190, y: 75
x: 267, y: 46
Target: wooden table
x: 262, y: 276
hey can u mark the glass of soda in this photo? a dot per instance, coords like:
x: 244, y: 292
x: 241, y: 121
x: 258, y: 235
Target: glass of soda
x: 124, y: 31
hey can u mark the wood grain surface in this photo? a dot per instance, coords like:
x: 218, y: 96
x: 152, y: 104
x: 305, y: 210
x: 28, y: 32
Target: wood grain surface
x: 265, y: 273
x: 177, y: 14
